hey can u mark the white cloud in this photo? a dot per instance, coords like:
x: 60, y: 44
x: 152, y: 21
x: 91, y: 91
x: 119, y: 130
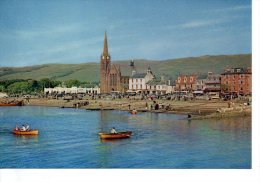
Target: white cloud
x: 200, y: 23
x: 234, y: 8
x: 45, y: 31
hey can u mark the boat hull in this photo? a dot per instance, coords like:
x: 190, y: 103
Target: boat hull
x: 30, y: 132
x: 12, y: 104
x: 118, y: 135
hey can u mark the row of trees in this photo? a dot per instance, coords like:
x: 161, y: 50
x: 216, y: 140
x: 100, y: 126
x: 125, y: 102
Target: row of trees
x: 30, y: 86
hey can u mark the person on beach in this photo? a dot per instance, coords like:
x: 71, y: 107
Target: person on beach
x: 113, y: 130
x: 134, y: 111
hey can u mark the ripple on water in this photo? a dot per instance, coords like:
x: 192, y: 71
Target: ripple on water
x: 68, y: 139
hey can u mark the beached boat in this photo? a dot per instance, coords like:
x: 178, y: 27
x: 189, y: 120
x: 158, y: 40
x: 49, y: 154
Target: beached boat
x: 125, y: 134
x: 12, y: 104
x: 29, y: 132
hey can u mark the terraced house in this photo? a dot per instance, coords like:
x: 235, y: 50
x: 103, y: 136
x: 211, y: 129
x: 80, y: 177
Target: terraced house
x: 237, y: 80
x: 186, y: 83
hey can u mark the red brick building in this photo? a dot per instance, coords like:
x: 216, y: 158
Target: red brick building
x: 186, y: 83
x: 237, y: 80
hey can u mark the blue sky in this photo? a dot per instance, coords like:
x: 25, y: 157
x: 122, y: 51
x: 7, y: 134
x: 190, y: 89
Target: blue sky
x: 36, y: 32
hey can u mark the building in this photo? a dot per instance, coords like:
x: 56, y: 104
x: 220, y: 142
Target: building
x: 138, y: 81
x: 200, y: 85
x: 212, y: 83
x: 186, y: 83
x: 237, y: 80
x: 160, y: 87
x: 72, y: 90
x: 110, y: 74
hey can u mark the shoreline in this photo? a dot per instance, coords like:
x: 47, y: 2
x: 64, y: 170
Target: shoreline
x: 198, y: 109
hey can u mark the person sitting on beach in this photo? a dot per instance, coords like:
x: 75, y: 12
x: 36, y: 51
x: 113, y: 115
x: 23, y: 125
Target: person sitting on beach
x: 113, y: 130
x: 23, y: 128
x: 134, y: 111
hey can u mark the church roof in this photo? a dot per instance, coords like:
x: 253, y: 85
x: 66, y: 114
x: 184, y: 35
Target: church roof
x: 139, y: 75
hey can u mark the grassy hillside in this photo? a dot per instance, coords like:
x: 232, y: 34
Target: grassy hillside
x: 90, y: 71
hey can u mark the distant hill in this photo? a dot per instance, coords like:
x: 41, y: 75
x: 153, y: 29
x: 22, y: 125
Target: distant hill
x: 90, y: 71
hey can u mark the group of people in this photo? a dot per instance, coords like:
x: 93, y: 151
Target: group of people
x: 24, y: 127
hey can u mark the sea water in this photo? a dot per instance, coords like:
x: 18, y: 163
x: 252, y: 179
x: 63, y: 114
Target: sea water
x: 68, y: 138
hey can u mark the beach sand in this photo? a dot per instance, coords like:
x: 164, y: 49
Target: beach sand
x: 198, y: 109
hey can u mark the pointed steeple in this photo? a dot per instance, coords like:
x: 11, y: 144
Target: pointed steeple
x: 105, y: 50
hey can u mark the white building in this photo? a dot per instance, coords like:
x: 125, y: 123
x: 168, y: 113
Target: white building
x: 137, y: 82
x: 160, y: 87
x: 146, y: 83
x: 72, y: 90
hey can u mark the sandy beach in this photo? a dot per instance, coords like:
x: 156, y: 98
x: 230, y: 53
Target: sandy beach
x: 198, y: 109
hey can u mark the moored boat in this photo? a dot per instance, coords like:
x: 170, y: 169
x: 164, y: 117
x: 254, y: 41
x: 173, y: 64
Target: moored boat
x: 27, y: 132
x: 20, y: 103
x: 124, y: 134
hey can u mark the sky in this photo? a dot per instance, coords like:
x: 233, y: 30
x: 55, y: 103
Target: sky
x: 34, y: 32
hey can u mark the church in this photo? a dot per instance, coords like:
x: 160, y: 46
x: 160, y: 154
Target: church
x: 111, y: 79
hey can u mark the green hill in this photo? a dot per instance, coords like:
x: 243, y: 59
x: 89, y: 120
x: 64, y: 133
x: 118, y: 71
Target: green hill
x: 90, y: 71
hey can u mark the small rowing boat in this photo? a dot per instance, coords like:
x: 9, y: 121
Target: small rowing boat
x: 124, y: 134
x: 28, y: 132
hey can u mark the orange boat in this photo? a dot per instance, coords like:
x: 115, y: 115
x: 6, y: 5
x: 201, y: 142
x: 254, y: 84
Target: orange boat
x: 124, y: 134
x: 28, y: 132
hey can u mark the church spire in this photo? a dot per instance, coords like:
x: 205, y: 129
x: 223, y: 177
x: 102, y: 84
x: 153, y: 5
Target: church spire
x: 105, y: 50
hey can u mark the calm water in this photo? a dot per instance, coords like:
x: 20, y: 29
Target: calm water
x: 68, y: 139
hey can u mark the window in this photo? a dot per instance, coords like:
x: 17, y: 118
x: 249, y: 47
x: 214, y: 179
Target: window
x: 185, y: 79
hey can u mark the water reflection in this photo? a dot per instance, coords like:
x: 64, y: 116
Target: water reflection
x: 26, y: 138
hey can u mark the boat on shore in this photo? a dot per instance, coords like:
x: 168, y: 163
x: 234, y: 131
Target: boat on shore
x: 27, y: 132
x: 119, y: 135
x: 20, y: 103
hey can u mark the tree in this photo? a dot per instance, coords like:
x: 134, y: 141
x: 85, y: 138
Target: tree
x: 45, y: 83
x: 19, y: 88
x: 224, y: 87
x: 71, y: 83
